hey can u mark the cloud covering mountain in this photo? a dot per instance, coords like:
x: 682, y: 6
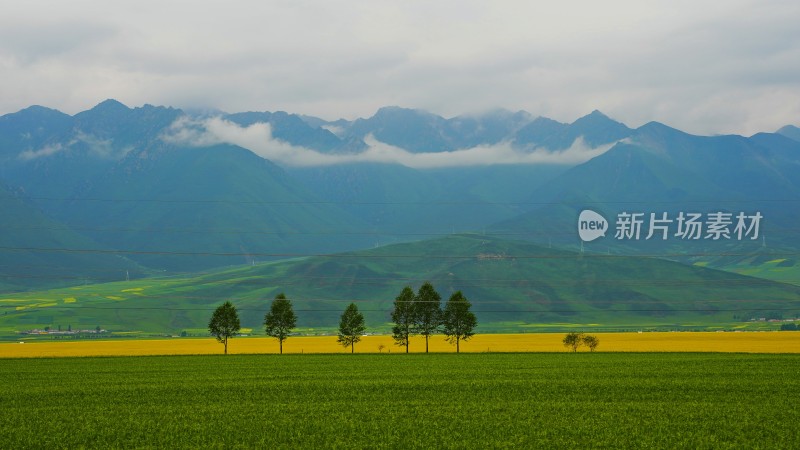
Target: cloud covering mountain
x: 259, y: 139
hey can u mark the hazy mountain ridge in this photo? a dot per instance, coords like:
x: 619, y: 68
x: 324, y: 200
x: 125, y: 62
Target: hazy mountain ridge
x: 659, y: 169
x: 790, y: 131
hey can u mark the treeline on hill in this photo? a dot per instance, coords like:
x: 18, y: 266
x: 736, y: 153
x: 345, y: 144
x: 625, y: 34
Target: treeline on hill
x: 414, y: 314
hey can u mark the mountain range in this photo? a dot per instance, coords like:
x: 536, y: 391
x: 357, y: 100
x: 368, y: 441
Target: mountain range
x: 117, y: 176
x: 116, y: 193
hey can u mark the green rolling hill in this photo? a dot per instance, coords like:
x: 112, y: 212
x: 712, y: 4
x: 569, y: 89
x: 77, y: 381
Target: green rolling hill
x: 514, y: 286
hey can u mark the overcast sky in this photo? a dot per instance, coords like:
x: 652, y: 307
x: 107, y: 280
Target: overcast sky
x: 706, y: 67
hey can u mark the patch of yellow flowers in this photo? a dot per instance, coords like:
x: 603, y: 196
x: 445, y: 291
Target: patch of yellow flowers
x: 746, y: 342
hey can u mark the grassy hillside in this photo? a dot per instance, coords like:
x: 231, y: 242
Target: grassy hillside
x: 397, y: 201
x: 218, y: 199
x: 784, y: 269
x: 512, y: 286
x: 23, y: 227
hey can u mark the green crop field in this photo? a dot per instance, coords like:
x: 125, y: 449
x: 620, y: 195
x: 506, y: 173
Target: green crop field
x: 403, y: 401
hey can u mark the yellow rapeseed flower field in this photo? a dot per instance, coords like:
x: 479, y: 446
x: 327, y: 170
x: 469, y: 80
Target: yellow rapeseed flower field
x: 745, y: 342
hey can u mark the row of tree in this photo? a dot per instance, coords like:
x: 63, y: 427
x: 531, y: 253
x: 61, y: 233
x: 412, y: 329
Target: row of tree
x: 422, y: 314
x: 278, y: 322
x: 417, y: 313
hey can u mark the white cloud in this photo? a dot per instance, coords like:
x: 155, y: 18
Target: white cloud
x: 103, y: 148
x: 258, y: 139
x: 47, y: 150
x: 338, y: 131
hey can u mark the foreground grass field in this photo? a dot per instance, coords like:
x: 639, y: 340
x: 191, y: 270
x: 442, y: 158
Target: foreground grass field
x: 620, y: 400
x: 761, y: 342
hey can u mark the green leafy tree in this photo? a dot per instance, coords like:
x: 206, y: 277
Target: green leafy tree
x: 280, y: 320
x: 224, y: 323
x: 458, y: 322
x: 403, y: 317
x: 427, y: 312
x: 573, y: 340
x: 351, y: 327
x: 591, y: 341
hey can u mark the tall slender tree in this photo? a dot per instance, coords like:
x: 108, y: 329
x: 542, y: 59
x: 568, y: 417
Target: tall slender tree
x: 280, y: 320
x: 351, y: 327
x: 458, y: 322
x: 403, y: 317
x: 427, y: 312
x: 224, y: 323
